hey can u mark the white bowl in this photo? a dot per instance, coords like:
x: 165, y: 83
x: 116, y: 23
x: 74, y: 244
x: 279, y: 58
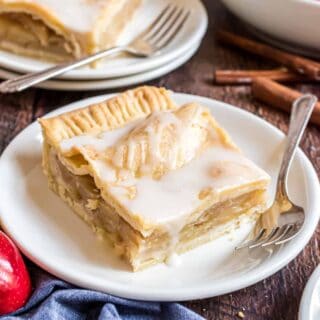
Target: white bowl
x: 293, y: 21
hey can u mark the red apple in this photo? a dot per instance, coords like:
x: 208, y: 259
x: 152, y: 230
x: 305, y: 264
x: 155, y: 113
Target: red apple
x: 15, y: 284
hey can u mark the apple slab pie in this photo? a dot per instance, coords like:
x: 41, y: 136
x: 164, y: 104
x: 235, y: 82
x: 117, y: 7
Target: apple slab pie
x: 152, y: 177
x: 61, y: 31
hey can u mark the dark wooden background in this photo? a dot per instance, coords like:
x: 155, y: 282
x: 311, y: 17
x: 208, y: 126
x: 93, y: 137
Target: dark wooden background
x: 274, y: 298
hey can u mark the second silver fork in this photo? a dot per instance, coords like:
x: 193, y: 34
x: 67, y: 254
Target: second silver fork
x: 284, y: 219
x: 149, y: 42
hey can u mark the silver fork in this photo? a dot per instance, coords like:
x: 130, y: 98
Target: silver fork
x: 149, y: 42
x: 284, y: 219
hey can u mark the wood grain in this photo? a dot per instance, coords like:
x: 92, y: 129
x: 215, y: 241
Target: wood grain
x: 275, y: 298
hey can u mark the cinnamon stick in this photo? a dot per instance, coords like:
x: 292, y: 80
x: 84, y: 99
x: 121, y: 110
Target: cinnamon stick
x: 247, y: 76
x: 279, y: 96
x: 293, y: 61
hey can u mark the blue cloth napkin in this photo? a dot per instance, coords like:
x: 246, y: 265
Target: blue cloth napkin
x: 56, y: 299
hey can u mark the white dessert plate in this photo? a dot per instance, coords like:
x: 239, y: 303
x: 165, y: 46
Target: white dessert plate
x: 79, y: 85
x: 119, y: 66
x: 310, y: 301
x: 52, y: 236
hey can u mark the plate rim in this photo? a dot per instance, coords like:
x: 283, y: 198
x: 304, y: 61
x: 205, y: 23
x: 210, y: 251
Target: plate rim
x: 146, y: 65
x: 200, y: 292
x: 305, y: 305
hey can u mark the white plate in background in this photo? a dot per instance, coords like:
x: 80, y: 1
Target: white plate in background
x: 55, y: 238
x: 310, y: 301
x: 119, y: 66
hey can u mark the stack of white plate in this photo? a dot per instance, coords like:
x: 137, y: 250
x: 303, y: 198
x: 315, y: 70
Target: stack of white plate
x: 123, y: 70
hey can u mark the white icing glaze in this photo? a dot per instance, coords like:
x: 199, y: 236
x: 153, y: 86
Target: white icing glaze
x: 165, y: 141
x: 77, y: 15
x: 176, y: 194
x: 169, y: 200
x: 163, y: 119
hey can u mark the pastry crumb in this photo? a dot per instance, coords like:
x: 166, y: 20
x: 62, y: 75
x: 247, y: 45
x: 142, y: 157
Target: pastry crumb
x: 92, y: 204
x: 241, y: 315
x: 205, y: 193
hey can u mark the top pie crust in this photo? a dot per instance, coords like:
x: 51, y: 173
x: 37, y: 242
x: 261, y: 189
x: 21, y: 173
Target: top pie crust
x: 107, y: 115
x: 160, y: 167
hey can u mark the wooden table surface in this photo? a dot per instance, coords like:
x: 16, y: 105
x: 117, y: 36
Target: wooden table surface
x: 276, y: 297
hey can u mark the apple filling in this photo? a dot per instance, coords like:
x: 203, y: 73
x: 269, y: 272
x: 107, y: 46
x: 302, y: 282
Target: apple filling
x: 21, y: 31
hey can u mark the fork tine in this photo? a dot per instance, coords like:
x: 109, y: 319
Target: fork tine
x: 284, y: 230
x: 157, y: 24
x: 248, y: 243
x: 175, y: 30
x: 290, y: 235
x: 273, y: 232
x: 166, y: 26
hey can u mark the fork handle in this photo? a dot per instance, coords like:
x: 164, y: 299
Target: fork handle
x: 23, y: 82
x: 300, y: 114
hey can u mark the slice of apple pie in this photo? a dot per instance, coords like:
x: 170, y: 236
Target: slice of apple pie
x: 61, y: 31
x: 153, y: 177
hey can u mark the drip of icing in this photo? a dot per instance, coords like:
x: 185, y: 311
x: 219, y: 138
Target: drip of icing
x: 173, y: 230
x: 173, y: 260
